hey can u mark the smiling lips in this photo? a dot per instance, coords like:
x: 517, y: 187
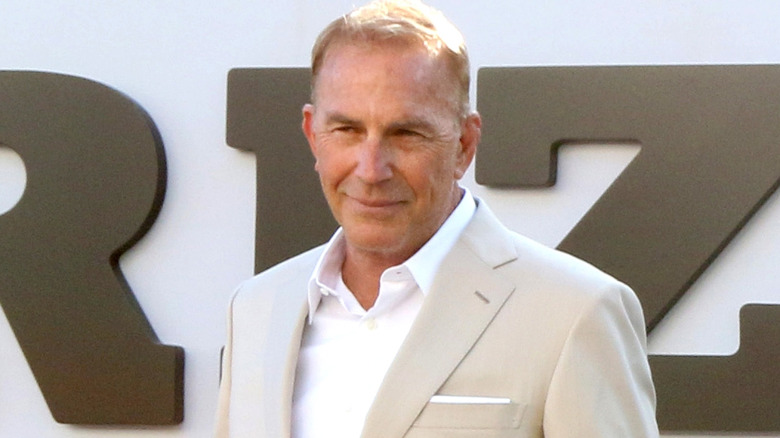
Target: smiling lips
x: 375, y: 205
x: 376, y: 202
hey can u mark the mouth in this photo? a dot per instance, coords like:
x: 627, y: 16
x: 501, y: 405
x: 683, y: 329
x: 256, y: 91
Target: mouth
x: 375, y: 205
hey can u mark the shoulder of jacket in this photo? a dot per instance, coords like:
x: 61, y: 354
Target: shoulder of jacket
x: 296, y: 269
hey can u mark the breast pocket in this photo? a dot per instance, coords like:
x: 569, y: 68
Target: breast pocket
x: 468, y: 419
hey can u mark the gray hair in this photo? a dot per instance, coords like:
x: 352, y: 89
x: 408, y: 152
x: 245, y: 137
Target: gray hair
x: 405, y: 21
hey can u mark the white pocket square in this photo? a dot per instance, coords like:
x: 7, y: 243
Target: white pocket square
x: 466, y: 399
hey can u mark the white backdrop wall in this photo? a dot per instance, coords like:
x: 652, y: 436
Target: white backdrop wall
x: 172, y: 57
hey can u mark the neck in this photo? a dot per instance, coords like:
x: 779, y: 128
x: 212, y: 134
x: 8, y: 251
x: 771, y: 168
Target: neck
x: 362, y: 269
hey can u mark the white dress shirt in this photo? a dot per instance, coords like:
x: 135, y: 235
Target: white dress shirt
x: 346, y: 350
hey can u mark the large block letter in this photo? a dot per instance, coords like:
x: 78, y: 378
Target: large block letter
x: 95, y: 183
x: 710, y: 157
x: 264, y: 117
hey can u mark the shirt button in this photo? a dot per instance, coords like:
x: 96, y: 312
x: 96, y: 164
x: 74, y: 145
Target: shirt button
x: 370, y: 324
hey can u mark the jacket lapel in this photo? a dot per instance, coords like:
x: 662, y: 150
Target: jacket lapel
x: 280, y: 360
x: 465, y: 297
x: 271, y: 328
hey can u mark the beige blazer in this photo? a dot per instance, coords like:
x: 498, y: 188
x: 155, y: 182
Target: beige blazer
x: 506, y: 318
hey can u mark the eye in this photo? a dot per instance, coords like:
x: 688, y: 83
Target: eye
x: 409, y: 133
x: 346, y: 129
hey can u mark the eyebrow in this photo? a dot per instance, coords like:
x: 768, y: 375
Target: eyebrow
x: 339, y: 118
x: 412, y: 123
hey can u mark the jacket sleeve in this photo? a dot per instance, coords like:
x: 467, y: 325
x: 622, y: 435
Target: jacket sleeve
x: 223, y: 402
x: 601, y: 386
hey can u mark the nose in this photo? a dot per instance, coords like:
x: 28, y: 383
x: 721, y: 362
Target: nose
x: 374, y: 161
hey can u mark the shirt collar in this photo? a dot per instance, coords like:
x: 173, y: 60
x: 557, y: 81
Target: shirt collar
x: 422, y: 265
x: 425, y: 262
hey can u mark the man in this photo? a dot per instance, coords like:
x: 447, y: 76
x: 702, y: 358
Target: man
x: 423, y: 316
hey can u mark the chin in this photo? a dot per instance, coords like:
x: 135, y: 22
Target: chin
x: 374, y: 243
x: 380, y: 240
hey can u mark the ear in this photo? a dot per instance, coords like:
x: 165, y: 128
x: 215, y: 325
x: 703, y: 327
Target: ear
x: 308, y: 128
x: 470, y: 135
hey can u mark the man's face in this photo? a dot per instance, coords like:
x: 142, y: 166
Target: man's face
x: 389, y: 145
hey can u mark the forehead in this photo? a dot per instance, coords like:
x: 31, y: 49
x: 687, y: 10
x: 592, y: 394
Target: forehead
x: 391, y: 71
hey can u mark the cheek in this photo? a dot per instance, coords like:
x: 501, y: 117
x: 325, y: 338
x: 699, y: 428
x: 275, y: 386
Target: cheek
x: 430, y: 176
x: 331, y: 166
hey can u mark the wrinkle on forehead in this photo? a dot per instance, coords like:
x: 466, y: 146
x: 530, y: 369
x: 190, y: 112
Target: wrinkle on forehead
x: 340, y: 66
